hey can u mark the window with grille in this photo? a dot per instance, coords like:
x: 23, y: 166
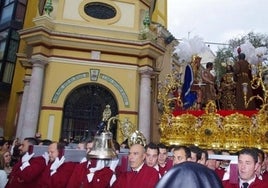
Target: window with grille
x: 83, y: 111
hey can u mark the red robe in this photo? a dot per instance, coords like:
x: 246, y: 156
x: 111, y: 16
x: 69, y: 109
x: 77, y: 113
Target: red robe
x: 265, y: 176
x: 59, y: 179
x: 123, y: 167
x: 101, y: 178
x: 256, y: 184
x: 168, y: 165
x: 147, y: 177
x: 220, y: 172
x: 28, y: 177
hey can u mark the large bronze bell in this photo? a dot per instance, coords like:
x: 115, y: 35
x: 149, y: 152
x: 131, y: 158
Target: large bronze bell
x: 103, y: 147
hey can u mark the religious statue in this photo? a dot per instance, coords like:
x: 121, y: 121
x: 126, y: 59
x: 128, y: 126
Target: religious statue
x: 228, y: 90
x: 209, y: 90
x: 189, y: 51
x: 243, y: 76
x: 106, y: 113
x: 197, y: 82
x: 197, y: 68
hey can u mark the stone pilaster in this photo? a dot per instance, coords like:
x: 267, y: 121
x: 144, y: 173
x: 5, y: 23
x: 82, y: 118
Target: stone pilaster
x: 23, y: 106
x: 34, y: 97
x: 145, y: 102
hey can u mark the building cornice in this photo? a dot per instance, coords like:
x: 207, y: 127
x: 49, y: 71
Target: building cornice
x: 40, y: 35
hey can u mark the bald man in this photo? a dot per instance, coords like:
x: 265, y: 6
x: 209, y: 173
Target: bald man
x: 140, y: 175
x: 57, y: 172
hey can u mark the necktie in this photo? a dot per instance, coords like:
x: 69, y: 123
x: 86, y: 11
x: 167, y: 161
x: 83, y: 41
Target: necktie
x: 245, y: 185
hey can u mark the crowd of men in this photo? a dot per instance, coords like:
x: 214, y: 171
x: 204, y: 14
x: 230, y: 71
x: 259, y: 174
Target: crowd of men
x: 153, y: 165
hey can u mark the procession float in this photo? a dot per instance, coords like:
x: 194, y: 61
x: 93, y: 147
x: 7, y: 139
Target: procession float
x: 215, y: 124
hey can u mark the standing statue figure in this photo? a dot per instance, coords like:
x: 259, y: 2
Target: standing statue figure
x: 106, y: 113
x: 242, y: 73
x: 228, y: 90
x: 197, y: 82
x: 197, y: 68
x: 209, y: 91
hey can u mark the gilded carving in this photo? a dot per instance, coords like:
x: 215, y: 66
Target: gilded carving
x: 211, y: 130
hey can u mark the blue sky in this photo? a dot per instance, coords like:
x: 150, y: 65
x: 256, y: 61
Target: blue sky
x: 217, y: 20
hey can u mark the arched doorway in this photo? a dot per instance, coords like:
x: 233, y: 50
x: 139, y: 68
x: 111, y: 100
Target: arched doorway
x: 83, y: 110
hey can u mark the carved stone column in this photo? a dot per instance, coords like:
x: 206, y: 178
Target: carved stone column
x: 145, y: 102
x: 34, y: 98
x: 23, y: 106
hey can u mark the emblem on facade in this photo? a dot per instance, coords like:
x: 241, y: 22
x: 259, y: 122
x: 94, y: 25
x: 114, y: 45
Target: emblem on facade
x: 94, y: 74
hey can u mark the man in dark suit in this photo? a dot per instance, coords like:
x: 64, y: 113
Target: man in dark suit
x: 247, y: 166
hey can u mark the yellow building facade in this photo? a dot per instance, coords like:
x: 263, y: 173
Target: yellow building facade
x: 82, y: 56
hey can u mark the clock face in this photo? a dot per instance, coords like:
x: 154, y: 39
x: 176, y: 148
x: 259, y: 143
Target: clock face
x: 100, y: 10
